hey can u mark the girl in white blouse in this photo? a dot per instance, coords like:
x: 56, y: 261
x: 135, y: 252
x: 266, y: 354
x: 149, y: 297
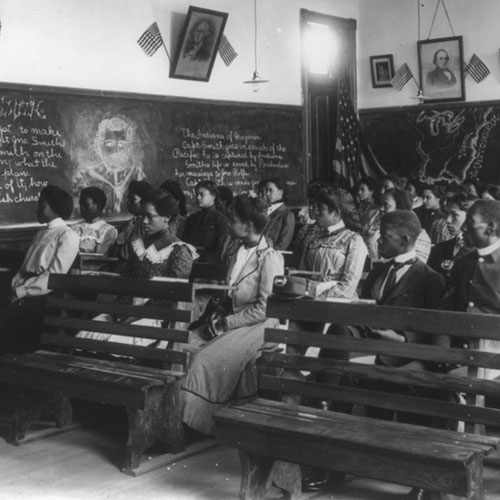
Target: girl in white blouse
x: 53, y: 250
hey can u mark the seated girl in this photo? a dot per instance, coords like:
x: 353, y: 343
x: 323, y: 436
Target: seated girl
x: 133, y: 228
x: 207, y: 229
x: 336, y: 253
x: 174, y: 188
x: 160, y: 253
x: 443, y: 255
x: 96, y: 235
x: 53, y: 250
x: 368, y: 211
x: 281, y: 225
x: 223, y: 369
x: 431, y: 217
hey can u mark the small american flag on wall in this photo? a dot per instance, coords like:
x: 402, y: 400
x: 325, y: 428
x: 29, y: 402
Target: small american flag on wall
x: 226, y: 51
x: 477, y: 69
x: 150, y: 41
x: 402, y: 76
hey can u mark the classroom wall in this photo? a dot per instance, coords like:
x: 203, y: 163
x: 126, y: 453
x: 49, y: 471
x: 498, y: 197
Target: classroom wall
x: 92, y: 44
x: 391, y: 27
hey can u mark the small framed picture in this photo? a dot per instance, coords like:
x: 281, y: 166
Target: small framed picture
x: 441, y: 69
x: 198, y: 44
x: 382, y: 69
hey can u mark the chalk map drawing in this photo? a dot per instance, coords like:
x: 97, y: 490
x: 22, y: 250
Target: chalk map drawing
x: 446, y: 145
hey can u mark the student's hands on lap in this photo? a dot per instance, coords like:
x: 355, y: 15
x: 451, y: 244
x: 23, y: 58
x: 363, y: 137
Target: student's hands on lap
x: 386, y: 334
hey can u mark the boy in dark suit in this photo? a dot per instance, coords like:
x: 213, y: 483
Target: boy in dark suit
x: 476, y: 277
x: 404, y: 281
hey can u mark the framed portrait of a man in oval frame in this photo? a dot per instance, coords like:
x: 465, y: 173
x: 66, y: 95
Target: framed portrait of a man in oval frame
x: 197, y: 47
x: 441, y: 71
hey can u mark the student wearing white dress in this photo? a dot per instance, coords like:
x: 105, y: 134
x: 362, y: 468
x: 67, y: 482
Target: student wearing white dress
x: 96, y: 235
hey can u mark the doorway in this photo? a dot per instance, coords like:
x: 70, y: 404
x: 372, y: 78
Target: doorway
x: 328, y: 55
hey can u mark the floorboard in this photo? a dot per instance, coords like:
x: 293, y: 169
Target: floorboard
x: 83, y: 464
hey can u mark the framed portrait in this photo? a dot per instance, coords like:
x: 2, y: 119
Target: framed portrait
x: 441, y: 71
x: 197, y: 47
x: 382, y: 69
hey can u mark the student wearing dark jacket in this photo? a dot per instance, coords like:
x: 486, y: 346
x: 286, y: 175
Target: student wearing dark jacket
x: 475, y: 277
x: 207, y: 229
x: 281, y: 226
x: 403, y: 281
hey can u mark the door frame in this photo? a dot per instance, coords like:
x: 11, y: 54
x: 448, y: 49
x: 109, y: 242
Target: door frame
x: 346, y: 29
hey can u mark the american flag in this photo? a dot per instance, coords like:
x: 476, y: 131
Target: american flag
x: 347, y: 147
x: 477, y: 69
x: 150, y: 41
x: 226, y: 51
x: 402, y: 76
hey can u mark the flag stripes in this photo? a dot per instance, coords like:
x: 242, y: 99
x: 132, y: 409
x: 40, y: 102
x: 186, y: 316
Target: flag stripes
x: 402, y: 76
x: 352, y: 158
x: 150, y: 41
x: 477, y: 69
x: 346, y: 154
x: 226, y: 51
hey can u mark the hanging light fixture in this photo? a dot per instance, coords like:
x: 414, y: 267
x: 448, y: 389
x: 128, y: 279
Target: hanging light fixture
x: 256, y: 80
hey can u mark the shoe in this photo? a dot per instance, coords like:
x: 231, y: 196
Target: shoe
x: 321, y: 479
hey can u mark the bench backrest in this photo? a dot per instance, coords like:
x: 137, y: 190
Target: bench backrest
x: 474, y: 327
x: 78, y: 299
x: 204, y: 271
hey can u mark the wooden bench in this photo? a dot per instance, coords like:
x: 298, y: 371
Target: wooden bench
x: 203, y: 271
x: 86, y: 263
x: 440, y: 460
x: 144, y: 380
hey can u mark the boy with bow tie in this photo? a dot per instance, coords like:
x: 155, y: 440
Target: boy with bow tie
x: 476, y: 276
x: 403, y: 281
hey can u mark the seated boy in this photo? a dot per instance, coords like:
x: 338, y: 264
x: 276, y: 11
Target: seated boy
x: 403, y: 281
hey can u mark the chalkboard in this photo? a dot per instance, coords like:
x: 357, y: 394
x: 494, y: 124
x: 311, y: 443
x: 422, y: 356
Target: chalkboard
x: 448, y: 143
x: 78, y: 138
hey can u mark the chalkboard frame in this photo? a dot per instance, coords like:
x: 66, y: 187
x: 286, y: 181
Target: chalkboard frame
x: 18, y: 235
x: 440, y: 105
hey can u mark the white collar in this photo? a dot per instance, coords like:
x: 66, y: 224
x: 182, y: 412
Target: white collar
x: 336, y: 227
x: 56, y: 223
x: 403, y: 257
x: 482, y: 252
x: 273, y: 207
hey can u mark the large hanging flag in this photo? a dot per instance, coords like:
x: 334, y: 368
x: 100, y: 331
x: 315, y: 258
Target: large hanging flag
x: 346, y: 155
x: 353, y: 158
x: 402, y: 76
x: 477, y: 69
x: 150, y: 41
x: 226, y: 51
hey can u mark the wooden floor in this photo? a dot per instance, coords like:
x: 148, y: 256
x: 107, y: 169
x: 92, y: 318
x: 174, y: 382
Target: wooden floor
x: 84, y: 464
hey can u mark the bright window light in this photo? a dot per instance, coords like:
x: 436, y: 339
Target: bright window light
x: 321, y: 48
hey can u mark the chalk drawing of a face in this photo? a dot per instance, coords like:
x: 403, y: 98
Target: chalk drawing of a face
x: 119, y: 150
x: 114, y: 143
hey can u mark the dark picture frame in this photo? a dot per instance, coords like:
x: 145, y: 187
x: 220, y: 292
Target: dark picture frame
x: 197, y: 47
x: 441, y: 69
x: 382, y: 70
